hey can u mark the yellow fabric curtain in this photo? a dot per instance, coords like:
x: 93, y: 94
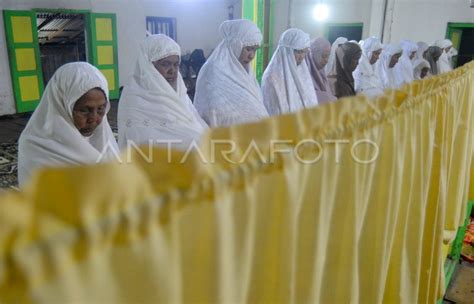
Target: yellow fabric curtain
x: 273, y: 212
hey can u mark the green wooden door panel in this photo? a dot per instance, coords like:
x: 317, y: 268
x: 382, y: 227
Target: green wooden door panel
x: 102, y: 47
x: 24, y: 57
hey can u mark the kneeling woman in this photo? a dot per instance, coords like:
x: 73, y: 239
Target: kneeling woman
x: 68, y: 127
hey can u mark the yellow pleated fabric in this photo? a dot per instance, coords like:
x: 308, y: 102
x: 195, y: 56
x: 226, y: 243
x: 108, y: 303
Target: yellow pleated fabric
x: 350, y: 202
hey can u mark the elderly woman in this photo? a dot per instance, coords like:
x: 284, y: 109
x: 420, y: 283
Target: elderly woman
x: 68, y: 127
x: 366, y: 80
x: 421, y: 69
x: 316, y: 60
x: 385, y: 66
x: 154, y: 107
x: 347, y: 59
x: 432, y: 55
x: 227, y: 92
x: 286, y: 83
x: 405, y: 64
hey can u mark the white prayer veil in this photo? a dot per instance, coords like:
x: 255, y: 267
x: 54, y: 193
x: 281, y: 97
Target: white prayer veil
x: 228, y: 93
x: 444, y: 62
x: 150, y: 109
x: 331, y: 65
x: 422, y: 47
x: 404, y: 67
x: 386, y: 74
x: 366, y: 79
x: 287, y: 87
x: 418, y: 65
x: 50, y: 139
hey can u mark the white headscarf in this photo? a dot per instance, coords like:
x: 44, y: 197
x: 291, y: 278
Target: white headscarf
x: 422, y: 47
x: 404, y: 67
x: 288, y: 87
x: 227, y: 92
x: 444, y: 63
x: 418, y: 65
x: 150, y: 108
x: 452, y: 52
x: 366, y: 80
x: 331, y: 65
x: 443, y: 43
x: 50, y: 139
x: 387, y: 75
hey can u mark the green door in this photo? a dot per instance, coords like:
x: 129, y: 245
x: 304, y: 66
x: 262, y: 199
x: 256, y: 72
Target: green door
x: 261, y: 13
x: 456, y: 35
x: 102, y: 45
x: 24, y: 57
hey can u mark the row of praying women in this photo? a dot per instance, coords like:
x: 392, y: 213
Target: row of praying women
x: 68, y: 127
x: 390, y: 66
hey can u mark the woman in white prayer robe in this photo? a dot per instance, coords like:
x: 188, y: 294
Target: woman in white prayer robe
x: 404, y: 66
x: 286, y: 84
x: 330, y: 68
x: 421, y: 53
x: 227, y: 91
x: 69, y: 126
x: 444, y: 61
x: 385, y: 66
x: 421, y: 69
x: 422, y: 48
x: 154, y: 107
x: 366, y: 79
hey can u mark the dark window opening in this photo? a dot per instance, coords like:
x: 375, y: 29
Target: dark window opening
x: 162, y: 25
x: 351, y: 32
x: 61, y: 38
x: 466, y: 49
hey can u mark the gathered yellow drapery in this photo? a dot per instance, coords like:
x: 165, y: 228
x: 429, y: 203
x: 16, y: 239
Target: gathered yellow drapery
x: 344, y: 203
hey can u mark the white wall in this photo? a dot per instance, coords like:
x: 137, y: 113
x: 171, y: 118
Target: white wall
x: 427, y: 20
x: 6, y: 93
x: 197, y: 27
x: 417, y: 20
x: 341, y: 11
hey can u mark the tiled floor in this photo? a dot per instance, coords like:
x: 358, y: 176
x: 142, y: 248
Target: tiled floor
x: 11, y: 127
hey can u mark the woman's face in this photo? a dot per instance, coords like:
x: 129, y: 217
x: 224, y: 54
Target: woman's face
x: 89, y: 110
x: 424, y: 72
x: 248, y: 54
x: 300, y: 54
x: 375, y: 56
x: 169, y: 68
x: 394, y: 60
